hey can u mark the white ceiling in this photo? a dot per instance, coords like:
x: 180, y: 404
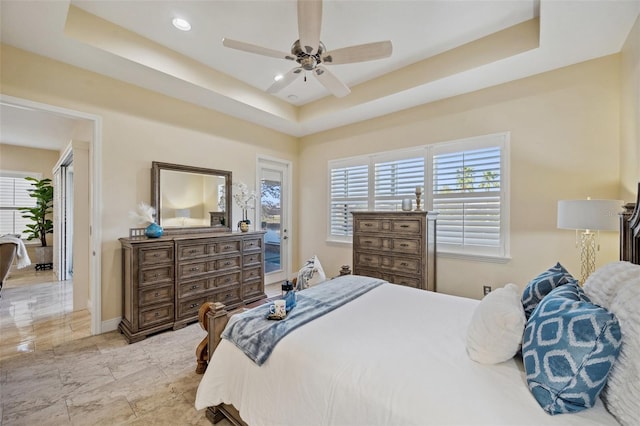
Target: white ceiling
x: 233, y: 82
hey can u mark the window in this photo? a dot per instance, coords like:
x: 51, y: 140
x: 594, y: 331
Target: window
x: 465, y: 182
x: 14, y: 194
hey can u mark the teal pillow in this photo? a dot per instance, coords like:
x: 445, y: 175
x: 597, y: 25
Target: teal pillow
x: 542, y: 285
x: 569, y: 346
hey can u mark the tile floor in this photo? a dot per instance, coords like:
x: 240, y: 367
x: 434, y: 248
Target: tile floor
x: 53, y: 373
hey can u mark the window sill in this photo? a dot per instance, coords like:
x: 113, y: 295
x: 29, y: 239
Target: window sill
x: 338, y: 242
x: 474, y: 257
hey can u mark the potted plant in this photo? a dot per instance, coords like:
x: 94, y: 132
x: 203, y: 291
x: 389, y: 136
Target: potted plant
x: 41, y: 224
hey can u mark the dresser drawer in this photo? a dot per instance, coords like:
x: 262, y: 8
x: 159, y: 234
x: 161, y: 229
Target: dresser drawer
x: 406, y: 281
x: 252, y: 259
x: 402, y: 264
x: 187, y: 270
x: 157, y: 254
x: 228, y: 247
x: 367, y: 242
x: 357, y: 270
x: 229, y: 297
x: 250, y: 274
x: 401, y: 245
x: 156, y: 315
x: 155, y: 295
x: 193, y: 251
x: 189, y: 308
x: 225, y: 264
x: 158, y: 275
x: 368, y: 260
x: 369, y: 225
x: 192, y: 288
x: 253, y: 289
x: 251, y: 244
x: 406, y: 226
x: 224, y: 280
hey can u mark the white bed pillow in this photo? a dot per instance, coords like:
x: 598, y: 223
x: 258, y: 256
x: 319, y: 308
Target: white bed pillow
x: 310, y: 274
x: 495, y: 332
x: 616, y: 287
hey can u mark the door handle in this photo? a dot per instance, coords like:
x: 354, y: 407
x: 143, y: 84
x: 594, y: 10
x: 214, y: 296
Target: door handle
x: 285, y: 238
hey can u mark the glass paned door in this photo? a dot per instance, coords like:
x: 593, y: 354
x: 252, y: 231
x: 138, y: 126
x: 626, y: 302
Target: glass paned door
x: 273, y: 215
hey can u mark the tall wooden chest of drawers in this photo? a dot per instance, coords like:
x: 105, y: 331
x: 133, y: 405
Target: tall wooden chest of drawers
x: 399, y: 247
x: 167, y: 279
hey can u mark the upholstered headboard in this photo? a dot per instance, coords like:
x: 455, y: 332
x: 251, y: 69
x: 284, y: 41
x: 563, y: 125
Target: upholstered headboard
x: 630, y: 231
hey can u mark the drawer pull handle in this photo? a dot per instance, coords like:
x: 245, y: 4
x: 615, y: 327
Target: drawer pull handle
x: 156, y: 294
x: 156, y: 254
x: 404, y: 226
x: 367, y: 242
x: 251, y: 244
x: 404, y: 245
x: 194, y: 269
x: 368, y: 259
x: 227, y: 263
x: 193, y: 287
x: 192, y: 251
x: 227, y: 247
x: 369, y: 225
x: 155, y: 275
x: 226, y: 296
x: 227, y: 280
x: 193, y: 305
x: 404, y: 264
x: 157, y: 314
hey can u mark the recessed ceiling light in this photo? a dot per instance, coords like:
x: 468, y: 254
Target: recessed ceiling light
x: 278, y: 77
x: 181, y: 24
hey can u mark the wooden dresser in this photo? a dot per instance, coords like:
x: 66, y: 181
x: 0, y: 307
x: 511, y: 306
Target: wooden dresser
x: 167, y: 279
x: 399, y: 247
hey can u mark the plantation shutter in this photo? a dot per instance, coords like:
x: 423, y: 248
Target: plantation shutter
x: 395, y: 180
x: 14, y: 194
x: 349, y: 192
x: 467, y: 194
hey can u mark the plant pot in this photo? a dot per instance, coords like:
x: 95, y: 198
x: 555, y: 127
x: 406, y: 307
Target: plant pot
x: 44, y: 258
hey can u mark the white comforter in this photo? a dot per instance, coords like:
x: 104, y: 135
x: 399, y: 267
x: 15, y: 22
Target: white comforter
x: 394, y: 356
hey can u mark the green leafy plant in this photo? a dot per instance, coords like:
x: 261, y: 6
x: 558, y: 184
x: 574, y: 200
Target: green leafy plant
x: 40, y: 215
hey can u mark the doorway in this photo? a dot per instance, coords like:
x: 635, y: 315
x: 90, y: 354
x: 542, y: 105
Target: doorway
x: 91, y: 126
x: 274, y: 215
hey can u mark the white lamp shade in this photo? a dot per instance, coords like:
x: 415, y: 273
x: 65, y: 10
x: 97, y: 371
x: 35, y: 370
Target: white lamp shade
x: 596, y: 215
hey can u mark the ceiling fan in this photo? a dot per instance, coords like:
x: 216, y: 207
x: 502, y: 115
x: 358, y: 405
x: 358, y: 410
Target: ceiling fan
x: 310, y: 53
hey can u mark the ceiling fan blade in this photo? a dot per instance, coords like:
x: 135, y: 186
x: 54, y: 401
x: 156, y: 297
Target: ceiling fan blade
x: 359, y: 53
x: 331, y: 82
x: 309, y: 23
x: 252, y: 48
x: 286, y: 80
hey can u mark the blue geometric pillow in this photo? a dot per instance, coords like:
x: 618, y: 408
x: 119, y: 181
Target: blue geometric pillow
x: 569, y: 346
x: 541, y: 285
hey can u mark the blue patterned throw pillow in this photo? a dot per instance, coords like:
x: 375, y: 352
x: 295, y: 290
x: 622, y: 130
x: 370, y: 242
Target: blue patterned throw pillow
x: 542, y: 285
x: 569, y: 346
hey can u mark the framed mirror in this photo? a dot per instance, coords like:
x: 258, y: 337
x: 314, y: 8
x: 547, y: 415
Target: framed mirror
x: 191, y: 199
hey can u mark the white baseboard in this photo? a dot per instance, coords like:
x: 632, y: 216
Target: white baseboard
x: 110, y: 325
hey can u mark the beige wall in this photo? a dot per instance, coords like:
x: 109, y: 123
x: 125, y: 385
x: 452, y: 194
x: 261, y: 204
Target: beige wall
x: 29, y: 160
x: 140, y: 126
x: 564, y: 144
x: 630, y: 117
x: 565, y: 129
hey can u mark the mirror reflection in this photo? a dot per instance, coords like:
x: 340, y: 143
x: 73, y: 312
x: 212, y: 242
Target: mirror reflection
x: 191, y: 197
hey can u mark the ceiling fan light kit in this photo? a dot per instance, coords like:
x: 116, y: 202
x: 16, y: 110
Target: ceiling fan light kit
x: 310, y: 53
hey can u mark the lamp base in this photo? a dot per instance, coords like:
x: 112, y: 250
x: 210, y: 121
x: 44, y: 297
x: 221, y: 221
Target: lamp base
x: 587, y: 254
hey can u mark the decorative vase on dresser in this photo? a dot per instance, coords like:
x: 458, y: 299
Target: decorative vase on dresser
x: 167, y: 279
x: 399, y: 247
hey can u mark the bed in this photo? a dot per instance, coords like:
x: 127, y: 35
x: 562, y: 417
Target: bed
x: 398, y: 356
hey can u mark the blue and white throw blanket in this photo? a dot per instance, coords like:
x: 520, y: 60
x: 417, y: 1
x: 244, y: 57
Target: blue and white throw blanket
x: 256, y: 336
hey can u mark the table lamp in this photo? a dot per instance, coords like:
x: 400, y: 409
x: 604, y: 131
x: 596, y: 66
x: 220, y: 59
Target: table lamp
x: 588, y: 216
